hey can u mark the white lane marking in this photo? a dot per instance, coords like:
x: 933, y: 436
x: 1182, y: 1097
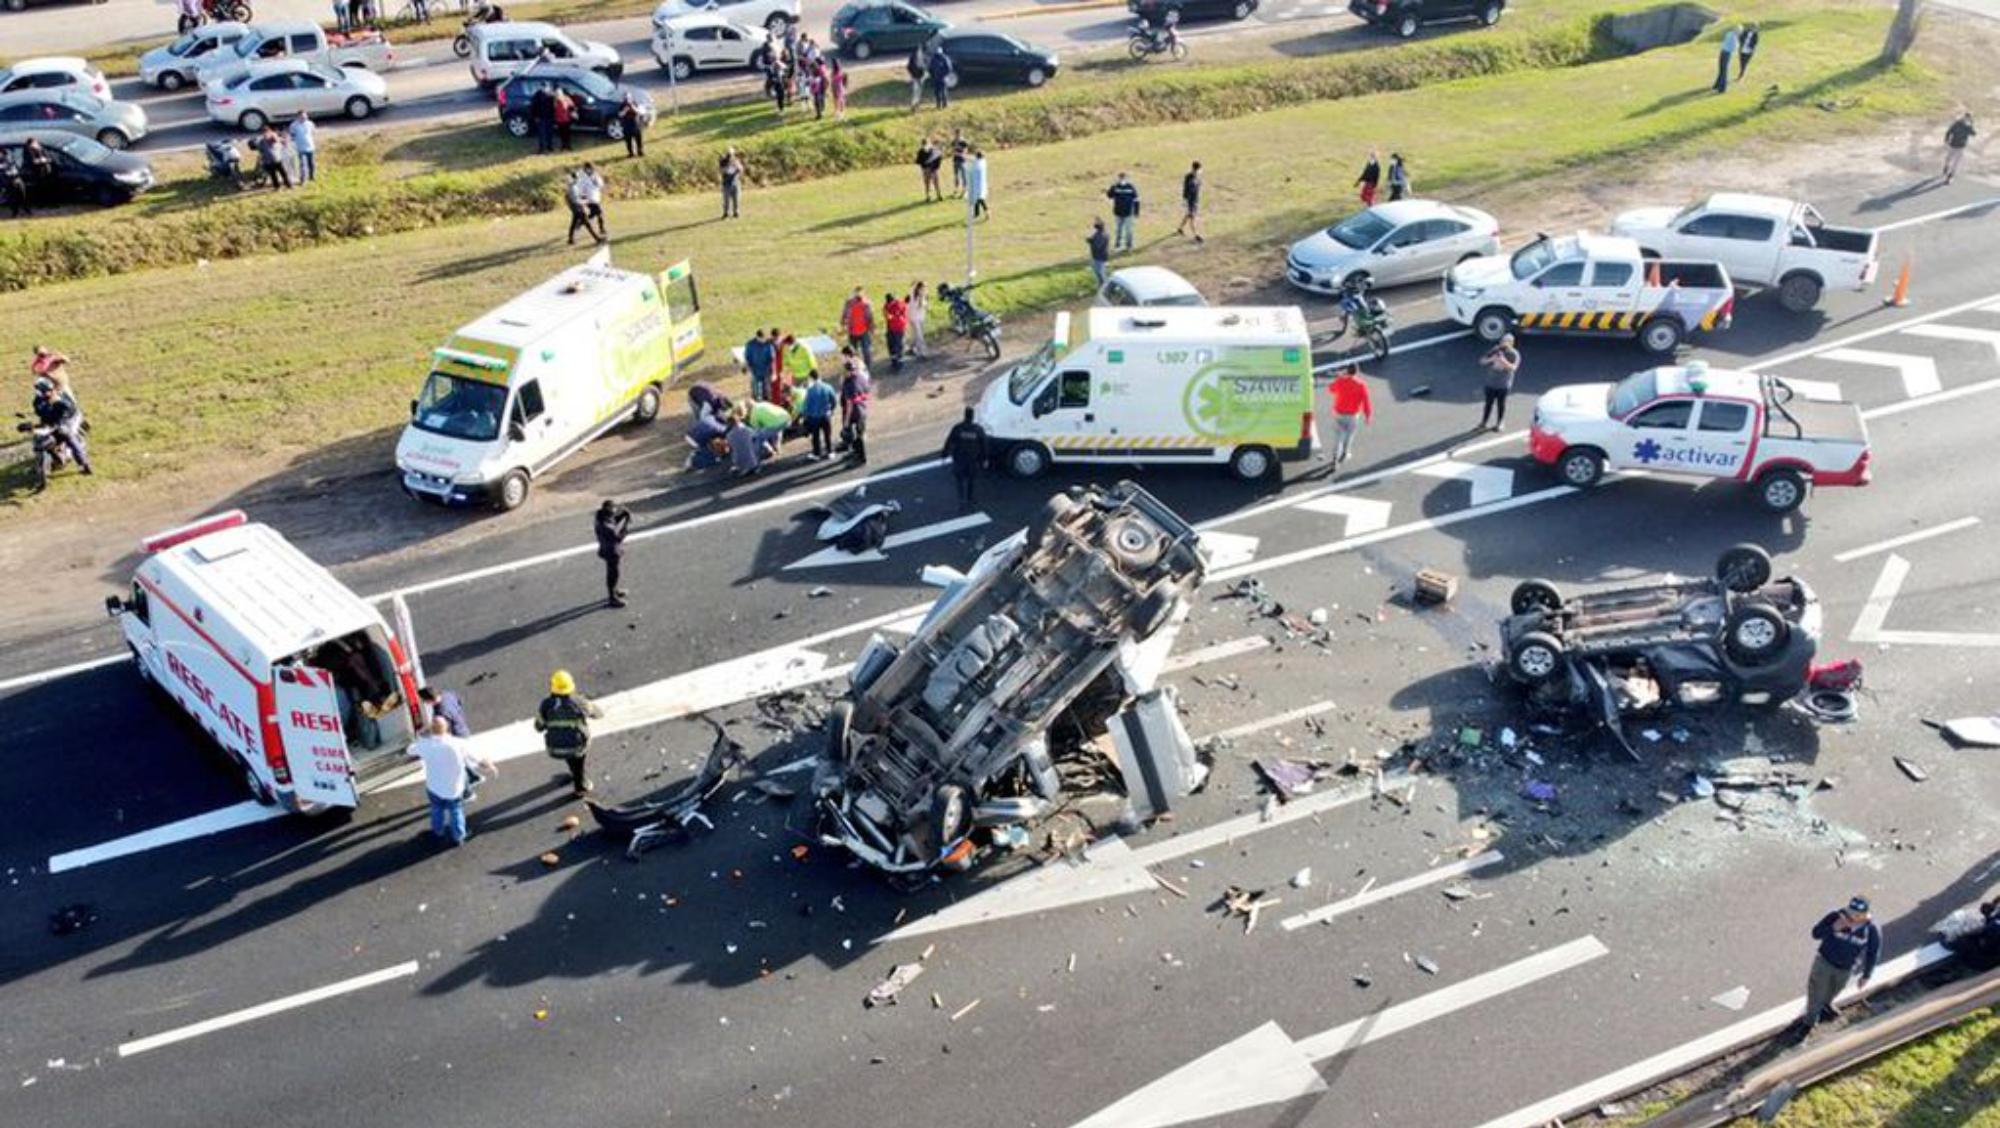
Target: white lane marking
x: 1489, y: 483
x: 831, y: 556
x: 1395, y: 350
x: 1994, y: 308
x: 1255, y: 727
x: 1815, y: 391
x: 246, y: 813
x: 1349, y: 544
x: 1945, y: 214
x: 1226, y: 550
x: 1360, y: 480
x: 1673, y: 1062
x: 41, y: 676
x: 1266, y: 1067
x: 1215, y: 653
x: 1905, y: 539
x: 1920, y: 373
x: 1958, y: 333
x: 1868, y: 335
x: 1869, y: 625
x: 1393, y: 889
x: 265, y: 1010
x: 1363, y: 514
x: 1945, y: 396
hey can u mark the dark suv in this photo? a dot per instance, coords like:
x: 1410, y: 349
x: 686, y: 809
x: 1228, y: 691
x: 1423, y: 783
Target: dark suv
x: 597, y: 99
x: 876, y: 27
x: 1155, y: 12
x: 1404, y: 17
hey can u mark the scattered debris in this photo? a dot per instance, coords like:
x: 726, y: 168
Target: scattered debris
x: 1247, y: 903
x: 1433, y: 588
x: 1302, y: 878
x: 774, y: 789
x: 569, y: 823
x: 1317, y: 617
x: 1701, y: 787
x: 1426, y: 965
x: 1733, y: 999
x: 820, y: 592
x: 1538, y: 790
x: 884, y: 994
x: 1458, y: 892
x: 1362, y: 981
x: 1164, y: 884
x: 964, y: 1010
x: 1975, y: 732
x: 551, y: 859
x: 1912, y: 769
x: 1291, y: 778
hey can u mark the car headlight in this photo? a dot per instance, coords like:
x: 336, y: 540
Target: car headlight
x: 136, y: 176
x: 1470, y: 293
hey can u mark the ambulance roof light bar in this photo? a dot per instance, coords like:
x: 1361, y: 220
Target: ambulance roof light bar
x: 160, y: 542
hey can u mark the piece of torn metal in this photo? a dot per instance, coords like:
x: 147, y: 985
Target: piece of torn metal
x: 884, y: 994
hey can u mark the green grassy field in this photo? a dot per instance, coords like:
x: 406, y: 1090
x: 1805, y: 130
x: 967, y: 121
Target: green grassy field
x: 290, y: 352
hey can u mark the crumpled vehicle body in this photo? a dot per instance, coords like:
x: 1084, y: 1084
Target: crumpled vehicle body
x: 1060, y: 629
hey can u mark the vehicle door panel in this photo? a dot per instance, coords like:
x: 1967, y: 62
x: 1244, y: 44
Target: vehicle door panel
x: 1658, y: 436
x: 1721, y: 438
x: 1398, y: 257
x: 315, y: 746
x: 1559, y: 289
x: 1613, y: 287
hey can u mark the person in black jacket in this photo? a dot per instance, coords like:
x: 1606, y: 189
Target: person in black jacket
x: 1848, y: 941
x: 1124, y: 197
x: 542, y: 115
x: 613, y: 522
x: 966, y: 447
x: 564, y: 722
x: 1099, y: 242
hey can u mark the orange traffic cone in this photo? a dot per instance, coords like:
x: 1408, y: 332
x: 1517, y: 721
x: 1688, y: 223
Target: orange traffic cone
x: 1902, y: 295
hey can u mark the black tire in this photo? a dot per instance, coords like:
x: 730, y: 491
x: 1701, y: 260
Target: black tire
x: 358, y: 108
x: 259, y: 790
x: 951, y: 816
x: 1378, y: 344
x: 252, y: 121
x: 1661, y: 336
x: 517, y: 124
x: 1743, y: 567
x: 1252, y: 463
x: 614, y: 129
x: 682, y: 68
x: 1138, y: 47
x: 863, y: 49
x: 1490, y: 14
x: 1036, y: 76
x: 1581, y: 467
x: 238, y: 12
x: 1132, y: 544
x: 17, y: 5
x: 1027, y: 460
x: 648, y: 407
x: 1781, y: 491
x: 1054, y: 512
x: 513, y: 491
x: 1406, y: 26
x: 1755, y: 633
x: 1798, y: 293
x: 1535, y: 657
x: 1242, y: 10
x: 1492, y: 323
x: 1178, y: 51
x: 1535, y: 595
x: 839, y: 722
x: 112, y: 138
x: 172, y: 80
x: 990, y: 341
x: 462, y: 46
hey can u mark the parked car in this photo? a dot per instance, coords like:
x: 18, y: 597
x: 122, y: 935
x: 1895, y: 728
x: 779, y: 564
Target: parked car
x: 280, y: 89
x: 1157, y: 12
x: 1404, y: 17
x: 1148, y: 286
x: 872, y: 27
x: 54, y: 72
x: 502, y: 50
x: 173, y: 66
x: 688, y: 44
x: 1763, y: 240
x: 83, y: 170
x: 1590, y: 285
x: 1392, y: 243
x: 597, y: 100
x: 980, y: 56
x: 296, y: 39
x: 771, y: 15
x: 114, y: 125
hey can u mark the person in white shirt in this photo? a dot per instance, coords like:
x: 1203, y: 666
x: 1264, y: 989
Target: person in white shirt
x: 446, y: 759
x: 305, y: 146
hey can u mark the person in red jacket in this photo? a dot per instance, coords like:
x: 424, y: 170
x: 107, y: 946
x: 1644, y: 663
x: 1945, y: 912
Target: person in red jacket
x: 895, y: 322
x: 1351, y: 408
x: 857, y: 320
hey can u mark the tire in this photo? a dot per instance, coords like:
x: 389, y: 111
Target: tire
x: 951, y: 816
x: 1252, y: 463
x: 1743, y: 567
x: 252, y: 121
x: 1132, y: 544
x: 1493, y: 323
x: 1781, y: 491
x: 1661, y: 336
x: 614, y: 130
x: 839, y: 722
x: 1360, y: 278
x: 1036, y: 77
x: 1378, y: 344
x: 172, y: 80
x: 238, y: 12
x: 1054, y: 512
x: 682, y: 68
x: 1798, y: 293
x: 1535, y: 657
x: 462, y: 46
x: 1490, y: 14
x: 1535, y: 595
x: 17, y: 5
x: 1178, y: 51
x: 259, y: 790
x: 358, y: 108
x: 648, y: 407
x: 1406, y: 27
x: 112, y: 138
x: 517, y: 124
x: 1027, y: 460
x: 777, y: 23
x: 1137, y: 47
x: 513, y: 491
x: 1242, y: 10
x: 1755, y: 633
x: 864, y: 50
x: 1580, y: 467
x: 991, y: 342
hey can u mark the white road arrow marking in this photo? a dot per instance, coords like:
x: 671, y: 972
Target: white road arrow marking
x: 1958, y: 333
x: 1869, y: 626
x: 1364, y: 515
x: 829, y: 556
x: 1489, y: 483
x: 1227, y: 550
x: 1920, y: 373
x: 1257, y: 1069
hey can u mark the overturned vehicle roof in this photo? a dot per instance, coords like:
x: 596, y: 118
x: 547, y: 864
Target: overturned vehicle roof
x: 1061, y: 629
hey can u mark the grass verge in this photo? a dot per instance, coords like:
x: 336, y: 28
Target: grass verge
x: 1948, y: 1080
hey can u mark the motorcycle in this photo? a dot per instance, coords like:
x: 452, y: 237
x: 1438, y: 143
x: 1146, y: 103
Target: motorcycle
x: 1367, y: 315
x: 50, y: 452
x: 1149, y: 40
x: 461, y: 44
x: 216, y: 11
x: 969, y: 321
x: 646, y: 825
x: 853, y: 523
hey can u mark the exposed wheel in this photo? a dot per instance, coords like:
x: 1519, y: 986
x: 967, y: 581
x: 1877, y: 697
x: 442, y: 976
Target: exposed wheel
x: 1133, y: 544
x: 648, y: 407
x: 839, y: 721
x: 1027, y: 460
x: 259, y: 790
x: 777, y: 23
x: 252, y: 121
x: 1798, y: 292
x: 614, y: 129
x: 990, y: 341
x: 1054, y: 512
x: 1493, y: 323
x: 682, y: 68
x: 1535, y: 595
x: 951, y: 815
x: 462, y: 46
x: 517, y: 124
x: 1378, y: 344
x: 1781, y: 491
x: 1358, y: 280
x: 112, y: 138
x: 1406, y: 27
x: 1754, y: 633
x: 1242, y: 10
x: 1535, y: 657
x: 172, y: 80
x: 1581, y: 467
x: 1137, y: 48
x: 864, y: 49
x: 513, y: 491
x: 1037, y: 76
x: 1743, y: 567
x: 1178, y: 50
x: 359, y: 108
x: 1252, y: 463
x: 1661, y: 336
x: 1490, y: 14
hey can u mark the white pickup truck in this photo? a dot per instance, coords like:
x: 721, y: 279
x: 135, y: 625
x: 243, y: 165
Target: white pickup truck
x: 1764, y: 241
x: 1703, y: 422
x: 1589, y: 285
x: 296, y: 39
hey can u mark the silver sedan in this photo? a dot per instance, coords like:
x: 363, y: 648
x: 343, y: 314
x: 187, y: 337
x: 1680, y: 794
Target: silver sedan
x: 281, y: 89
x: 113, y: 125
x: 1392, y: 243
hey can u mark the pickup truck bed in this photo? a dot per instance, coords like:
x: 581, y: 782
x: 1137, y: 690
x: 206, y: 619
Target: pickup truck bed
x: 1812, y: 419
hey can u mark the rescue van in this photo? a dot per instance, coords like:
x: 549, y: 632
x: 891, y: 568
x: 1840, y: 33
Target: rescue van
x: 1229, y: 386
x: 299, y: 680
x: 517, y: 391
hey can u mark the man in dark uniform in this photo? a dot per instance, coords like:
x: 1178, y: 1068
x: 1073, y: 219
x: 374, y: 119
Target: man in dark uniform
x: 613, y: 522
x: 966, y: 447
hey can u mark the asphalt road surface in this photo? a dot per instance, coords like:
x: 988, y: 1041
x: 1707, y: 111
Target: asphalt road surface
x: 291, y: 972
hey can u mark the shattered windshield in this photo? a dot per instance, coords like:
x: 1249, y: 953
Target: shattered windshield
x: 1029, y: 374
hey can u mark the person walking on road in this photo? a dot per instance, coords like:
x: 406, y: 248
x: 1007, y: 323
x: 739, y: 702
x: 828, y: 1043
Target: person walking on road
x: 1351, y: 409
x: 1124, y: 197
x: 1724, y: 56
x: 305, y: 146
x: 818, y: 414
x: 612, y: 524
x: 1501, y: 362
x: 1957, y: 136
x: 1399, y: 177
x: 633, y: 127
x: 448, y: 764
x: 855, y: 391
x: 1746, y: 46
x: 1191, y: 204
x: 1099, y: 242
x: 1848, y: 939
x: 966, y: 447
x: 857, y: 320
x: 1370, y: 178
x: 731, y: 171
x: 564, y: 722
x: 895, y: 328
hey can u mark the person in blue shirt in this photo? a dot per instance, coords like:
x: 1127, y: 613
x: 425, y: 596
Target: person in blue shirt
x: 817, y: 412
x: 758, y: 356
x: 1848, y: 939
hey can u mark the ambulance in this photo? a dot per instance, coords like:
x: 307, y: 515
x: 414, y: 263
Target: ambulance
x: 1204, y: 384
x: 300, y: 681
x: 529, y: 384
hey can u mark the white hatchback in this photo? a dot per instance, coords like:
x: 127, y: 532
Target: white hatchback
x: 54, y: 72
x: 685, y: 45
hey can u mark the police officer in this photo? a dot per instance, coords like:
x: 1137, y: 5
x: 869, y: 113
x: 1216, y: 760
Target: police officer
x: 966, y: 447
x: 564, y: 722
x: 613, y: 522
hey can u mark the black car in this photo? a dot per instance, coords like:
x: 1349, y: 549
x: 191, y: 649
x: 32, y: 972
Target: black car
x: 1404, y: 17
x: 875, y: 27
x: 1154, y: 12
x: 80, y: 170
x: 984, y: 56
x: 597, y: 99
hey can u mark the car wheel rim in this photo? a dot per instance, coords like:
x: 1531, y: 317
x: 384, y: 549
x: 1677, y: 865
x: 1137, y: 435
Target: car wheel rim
x: 1537, y: 662
x: 1027, y: 462
x: 1756, y: 635
x: 1781, y: 494
x: 1578, y: 471
x: 514, y: 491
x: 1253, y: 464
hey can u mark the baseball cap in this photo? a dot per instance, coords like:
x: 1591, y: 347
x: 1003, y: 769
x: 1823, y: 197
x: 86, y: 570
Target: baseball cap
x: 1858, y: 905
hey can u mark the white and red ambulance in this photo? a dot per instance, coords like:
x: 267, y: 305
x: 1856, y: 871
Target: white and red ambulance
x: 299, y: 680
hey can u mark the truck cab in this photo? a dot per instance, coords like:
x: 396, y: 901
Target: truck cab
x: 1763, y: 241
x: 1589, y: 285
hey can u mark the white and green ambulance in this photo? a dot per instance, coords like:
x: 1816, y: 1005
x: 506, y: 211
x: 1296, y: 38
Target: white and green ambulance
x: 1228, y: 386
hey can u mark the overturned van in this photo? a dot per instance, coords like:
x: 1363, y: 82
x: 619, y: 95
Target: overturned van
x: 1053, y: 639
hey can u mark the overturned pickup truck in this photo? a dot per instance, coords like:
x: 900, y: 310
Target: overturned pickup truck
x: 1053, y: 638
x: 1739, y: 636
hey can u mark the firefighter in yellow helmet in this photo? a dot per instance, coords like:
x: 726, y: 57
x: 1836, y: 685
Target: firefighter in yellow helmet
x: 564, y: 722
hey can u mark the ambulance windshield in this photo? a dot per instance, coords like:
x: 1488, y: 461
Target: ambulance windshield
x: 1634, y: 392
x: 460, y: 408
x: 1029, y: 374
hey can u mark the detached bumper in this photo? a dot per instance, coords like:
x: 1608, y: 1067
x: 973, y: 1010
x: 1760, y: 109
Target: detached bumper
x: 444, y: 491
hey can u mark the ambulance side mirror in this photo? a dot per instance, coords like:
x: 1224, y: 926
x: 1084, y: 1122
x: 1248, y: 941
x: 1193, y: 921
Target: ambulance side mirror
x: 413, y: 409
x: 518, y: 432
x: 113, y: 606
